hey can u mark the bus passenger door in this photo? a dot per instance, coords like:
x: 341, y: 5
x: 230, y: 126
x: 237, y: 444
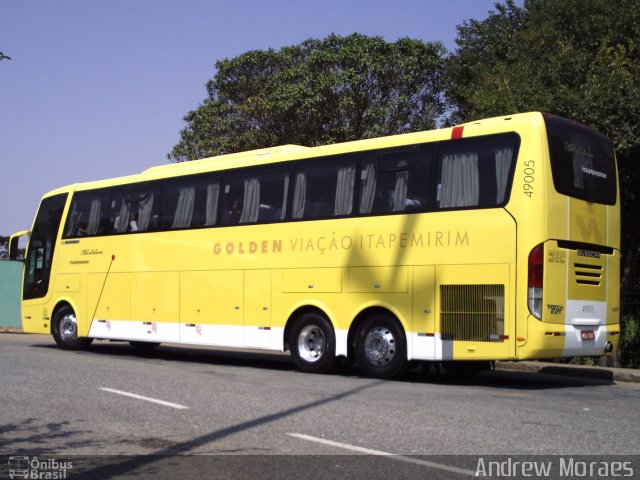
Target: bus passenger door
x: 257, y: 308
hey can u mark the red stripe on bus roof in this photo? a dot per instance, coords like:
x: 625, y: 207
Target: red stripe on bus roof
x: 457, y: 132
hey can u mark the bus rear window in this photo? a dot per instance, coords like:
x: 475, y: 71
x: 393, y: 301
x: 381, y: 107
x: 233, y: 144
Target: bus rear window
x: 582, y: 161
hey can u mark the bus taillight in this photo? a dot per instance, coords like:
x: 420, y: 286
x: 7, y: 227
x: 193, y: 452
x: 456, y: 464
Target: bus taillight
x: 536, y: 262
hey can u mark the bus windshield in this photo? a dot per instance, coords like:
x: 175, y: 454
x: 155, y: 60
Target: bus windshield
x: 41, y: 246
x: 582, y: 161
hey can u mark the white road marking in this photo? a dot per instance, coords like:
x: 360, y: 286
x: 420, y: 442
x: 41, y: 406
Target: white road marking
x: 391, y: 456
x: 146, y: 399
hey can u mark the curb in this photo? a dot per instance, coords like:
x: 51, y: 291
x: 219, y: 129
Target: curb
x: 596, y: 373
x: 10, y: 330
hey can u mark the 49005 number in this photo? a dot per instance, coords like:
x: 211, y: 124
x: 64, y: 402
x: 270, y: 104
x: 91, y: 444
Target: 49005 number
x: 529, y: 178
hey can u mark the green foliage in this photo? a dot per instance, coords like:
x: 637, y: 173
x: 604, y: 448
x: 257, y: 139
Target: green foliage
x: 316, y: 92
x: 575, y: 58
x: 629, y: 347
x: 585, y: 361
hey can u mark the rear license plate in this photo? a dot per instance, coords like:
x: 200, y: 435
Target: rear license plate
x: 587, y: 335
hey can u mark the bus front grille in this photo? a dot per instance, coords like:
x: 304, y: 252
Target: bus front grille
x: 472, y: 312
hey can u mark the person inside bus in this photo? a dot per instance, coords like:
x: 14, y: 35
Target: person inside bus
x: 83, y: 229
x: 234, y: 214
x: 133, y: 222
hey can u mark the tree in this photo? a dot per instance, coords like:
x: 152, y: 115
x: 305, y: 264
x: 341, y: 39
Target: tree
x: 575, y: 58
x: 317, y: 92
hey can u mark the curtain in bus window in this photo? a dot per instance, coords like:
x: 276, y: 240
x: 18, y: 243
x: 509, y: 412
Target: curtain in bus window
x: 74, y: 220
x: 94, y: 217
x: 367, y: 187
x: 581, y: 157
x: 503, y: 165
x: 399, y: 197
x: 48, y: 254
x: 121, y: 222
x: 283, y: 212
x: 144, y: 212
x: 299, y: 195
x: 251, y: 201
x: 213, y: 193
x: 344, y: 191
x: 184, y: 209
x: 460, y: 182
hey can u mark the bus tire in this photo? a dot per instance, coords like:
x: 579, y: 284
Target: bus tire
x: 313, y: 343
x: 381, y: 346
x: 144, y: 346
x: 64, y: 329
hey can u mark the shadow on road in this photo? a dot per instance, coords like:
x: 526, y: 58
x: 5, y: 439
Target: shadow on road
x: 421, y: 372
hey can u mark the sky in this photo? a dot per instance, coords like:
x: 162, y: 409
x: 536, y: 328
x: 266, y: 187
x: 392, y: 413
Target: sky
x: 98, y: 89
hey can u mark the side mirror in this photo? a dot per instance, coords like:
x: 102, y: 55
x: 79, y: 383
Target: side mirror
x: 14, y: 251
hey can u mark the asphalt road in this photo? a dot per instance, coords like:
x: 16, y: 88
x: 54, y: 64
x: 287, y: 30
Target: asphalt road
x: 112, y: 400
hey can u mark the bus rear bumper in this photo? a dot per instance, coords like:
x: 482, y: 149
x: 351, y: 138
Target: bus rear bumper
x: 547, y: 340
x: 587, y: 340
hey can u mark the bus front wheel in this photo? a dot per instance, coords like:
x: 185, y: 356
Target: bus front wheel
x: 64, y: 329
x: 313, y: 344
x: 380, y: 346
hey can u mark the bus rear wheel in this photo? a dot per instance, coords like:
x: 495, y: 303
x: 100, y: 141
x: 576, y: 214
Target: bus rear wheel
x: 381, y: 346
x: 313, y: 344
x: 64, y: 329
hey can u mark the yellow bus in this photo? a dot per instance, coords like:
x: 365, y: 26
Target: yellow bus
x: 493, y: 240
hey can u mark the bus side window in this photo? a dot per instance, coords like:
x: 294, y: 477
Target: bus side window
x: 190, y: 203
x: 324, y: 189
x: 178, y: 202
x: 395, y: 181
x: 88, y: 215
x: 459, y: 182
x: 255, y: 196
x: 475, y: 173
x: 135, y: 210
x: 274, y: 190
x: 233, y: 206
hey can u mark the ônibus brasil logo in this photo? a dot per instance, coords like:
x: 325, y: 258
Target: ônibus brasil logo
x: 37, y: 469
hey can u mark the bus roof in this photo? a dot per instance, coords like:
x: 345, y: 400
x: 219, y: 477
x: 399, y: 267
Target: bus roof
x: 294, y: 152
